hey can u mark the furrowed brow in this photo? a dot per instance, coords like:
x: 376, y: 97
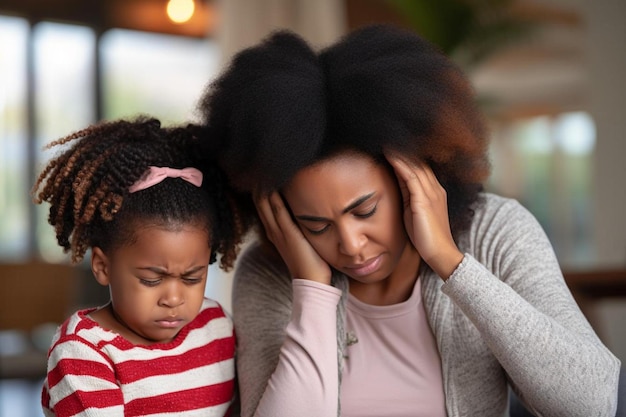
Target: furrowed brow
x: 351, y: 206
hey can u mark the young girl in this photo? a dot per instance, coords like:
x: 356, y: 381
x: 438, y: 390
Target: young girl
x: 131, y: 191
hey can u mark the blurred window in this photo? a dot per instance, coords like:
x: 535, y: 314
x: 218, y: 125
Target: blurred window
x: 14, y: 200
x: 546, y: 163
x: 64, y: 102
x: 141, y: 73
x: 161, y: 75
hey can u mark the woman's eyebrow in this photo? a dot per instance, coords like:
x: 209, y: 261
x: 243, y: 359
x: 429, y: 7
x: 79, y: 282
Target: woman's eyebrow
x: 351, y: 206
x: 357, y: 203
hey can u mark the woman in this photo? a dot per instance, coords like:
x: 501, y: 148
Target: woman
x: 393, y: 285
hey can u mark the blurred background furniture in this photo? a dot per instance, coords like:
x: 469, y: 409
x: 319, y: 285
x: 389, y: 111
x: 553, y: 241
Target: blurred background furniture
x: 592, y: 286
x: 35, y: 297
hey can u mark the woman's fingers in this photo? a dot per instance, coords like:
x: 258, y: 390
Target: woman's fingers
x: 266, y: 215
x: 426, y: 214
x: 298, y: 254
x: 275, y: 217
x: 402, y: 173
x: 280, y: 212
x: 418, y: 175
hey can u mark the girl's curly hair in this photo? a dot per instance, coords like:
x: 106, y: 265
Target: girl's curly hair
x: 90, y: 205
x: 280, y: 106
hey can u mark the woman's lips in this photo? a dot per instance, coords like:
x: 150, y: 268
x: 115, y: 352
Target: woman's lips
x: 365, y: 268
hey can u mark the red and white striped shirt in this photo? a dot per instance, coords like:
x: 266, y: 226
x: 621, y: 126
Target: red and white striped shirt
x: 95, y: 372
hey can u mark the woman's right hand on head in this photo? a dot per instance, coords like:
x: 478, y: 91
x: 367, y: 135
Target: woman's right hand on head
x: 426, y: 215
x: 297, y: 253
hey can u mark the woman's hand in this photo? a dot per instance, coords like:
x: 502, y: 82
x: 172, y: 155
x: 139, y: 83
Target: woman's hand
x: 297, y: 253
x: 426, y: 215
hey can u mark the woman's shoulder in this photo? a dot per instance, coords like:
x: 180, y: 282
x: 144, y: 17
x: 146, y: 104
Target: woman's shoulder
x: 260, y: 269
x: 489, y: 202
x: 493, y: 210
x: 502, y: 222
x: 261, y: 256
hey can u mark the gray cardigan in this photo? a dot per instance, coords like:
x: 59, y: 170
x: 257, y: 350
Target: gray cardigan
x: 504, y: 317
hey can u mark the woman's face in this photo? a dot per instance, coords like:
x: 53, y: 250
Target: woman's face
x: 350, y: 210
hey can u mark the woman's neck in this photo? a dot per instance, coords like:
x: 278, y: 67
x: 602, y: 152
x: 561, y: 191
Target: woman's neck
x: 394, y: 289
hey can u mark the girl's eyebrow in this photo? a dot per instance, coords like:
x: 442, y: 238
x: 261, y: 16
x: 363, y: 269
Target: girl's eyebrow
x: 351, y: 206
x: 162, y: 271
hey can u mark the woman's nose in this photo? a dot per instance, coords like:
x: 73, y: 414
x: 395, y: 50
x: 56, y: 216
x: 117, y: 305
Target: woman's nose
x: 351, y: 240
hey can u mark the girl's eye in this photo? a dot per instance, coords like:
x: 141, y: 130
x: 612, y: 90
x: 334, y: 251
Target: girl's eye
x: 366, y: 215
x: 318, y: 231
x: 150, y: 282
x: 192, y: 281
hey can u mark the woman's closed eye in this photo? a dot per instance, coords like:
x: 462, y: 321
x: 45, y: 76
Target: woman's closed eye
x: 317, y: 231
x: 361, y: 214
x: 365, y: 214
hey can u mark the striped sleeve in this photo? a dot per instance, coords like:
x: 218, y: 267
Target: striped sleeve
x: 80, y: 377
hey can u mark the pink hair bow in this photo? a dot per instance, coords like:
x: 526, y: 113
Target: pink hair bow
x: 155, y: 175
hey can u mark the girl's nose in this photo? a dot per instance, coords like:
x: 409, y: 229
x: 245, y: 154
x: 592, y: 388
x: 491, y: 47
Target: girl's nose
x: 172, y: 295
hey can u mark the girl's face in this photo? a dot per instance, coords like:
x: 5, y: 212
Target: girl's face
x: 350, y: 210
x: 156, y: 283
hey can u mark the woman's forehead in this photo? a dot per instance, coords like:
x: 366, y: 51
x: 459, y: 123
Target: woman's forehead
x: 337, y: 181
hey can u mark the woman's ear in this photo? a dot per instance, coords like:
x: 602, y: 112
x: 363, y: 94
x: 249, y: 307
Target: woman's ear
x: 100, y: 266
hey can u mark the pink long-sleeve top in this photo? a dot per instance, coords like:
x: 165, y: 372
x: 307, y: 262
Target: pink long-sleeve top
x: 392, y: 365
x: 392, y: 360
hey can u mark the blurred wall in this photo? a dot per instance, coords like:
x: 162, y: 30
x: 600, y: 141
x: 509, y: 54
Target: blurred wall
x: 243, y: 23
x: 606, y: 56
x: 606, y: 28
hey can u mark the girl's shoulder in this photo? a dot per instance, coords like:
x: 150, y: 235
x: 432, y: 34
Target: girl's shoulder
x: 79, y: 323
x: 80, y: 329
x: 211, y: 309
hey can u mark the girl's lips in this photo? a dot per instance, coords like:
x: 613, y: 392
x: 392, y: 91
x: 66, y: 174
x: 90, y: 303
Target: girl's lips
x: 366, y: 268
x: 169, y: 323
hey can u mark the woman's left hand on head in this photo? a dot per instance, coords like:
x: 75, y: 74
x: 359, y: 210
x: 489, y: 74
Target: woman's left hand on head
x: 426, y: 215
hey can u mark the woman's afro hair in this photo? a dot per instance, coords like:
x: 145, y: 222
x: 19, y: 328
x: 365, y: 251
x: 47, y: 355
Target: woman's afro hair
x: 280, y: 106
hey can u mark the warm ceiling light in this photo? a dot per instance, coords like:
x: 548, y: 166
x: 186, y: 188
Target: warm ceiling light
x: 180, y: 11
